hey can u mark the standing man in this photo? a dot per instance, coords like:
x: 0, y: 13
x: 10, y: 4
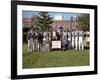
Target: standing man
x: 76, y: 39
x: 73, y: 38
x: 54, y: 34
x: 81, y: 40
x: 40, y: 41
x: 36, y: 44
x: 30, y: 40
x: 69, y: 39
x: 61, y: 37
x: 65, y: 40
x: 34, y: 40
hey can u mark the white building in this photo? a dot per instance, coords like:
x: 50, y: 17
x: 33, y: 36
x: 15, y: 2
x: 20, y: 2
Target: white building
x: 58, y: 17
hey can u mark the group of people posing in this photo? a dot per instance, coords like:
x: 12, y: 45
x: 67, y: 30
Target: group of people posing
x: 42, y: 41
x: 70, y: 39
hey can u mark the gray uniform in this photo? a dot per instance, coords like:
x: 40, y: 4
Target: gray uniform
x: 64, y: 40
x: 46, y: 42
x: 30, y: 40
x: 69, y: 40
x: 35, y: 41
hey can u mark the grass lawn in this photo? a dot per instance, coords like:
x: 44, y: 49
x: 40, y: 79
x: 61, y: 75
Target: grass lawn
x: 39, y: 59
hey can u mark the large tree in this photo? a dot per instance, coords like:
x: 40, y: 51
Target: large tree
x: 84, y: 22
x: 44, y: 21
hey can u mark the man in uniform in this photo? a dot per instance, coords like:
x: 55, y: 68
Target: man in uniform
x: 65, y: 40
x: 61, y: 37
x: 76, y: 39
x: 69, y: 39
x: 81, y: 40
x: 34, y: 40
x: 30, y: 40
x: 73, y: 38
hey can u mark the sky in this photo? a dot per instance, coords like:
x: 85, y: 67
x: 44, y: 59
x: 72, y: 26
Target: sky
x: 66, y: 16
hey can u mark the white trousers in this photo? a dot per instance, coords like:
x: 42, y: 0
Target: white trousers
x: 76, y: 42
x: 81, y: 43
x: 72, y: 41
x: 30, y: 45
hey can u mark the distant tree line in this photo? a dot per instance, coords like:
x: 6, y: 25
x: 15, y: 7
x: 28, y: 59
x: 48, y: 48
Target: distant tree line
x: 84, y: 22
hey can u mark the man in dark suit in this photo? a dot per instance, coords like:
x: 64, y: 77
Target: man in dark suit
x: 40, y: 40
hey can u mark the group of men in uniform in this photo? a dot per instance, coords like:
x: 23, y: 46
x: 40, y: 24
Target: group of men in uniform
x: 41, y: 40
x: 70, y: 39
x: 35, y: 40
x: 38, y: 40
x: 77, y: 39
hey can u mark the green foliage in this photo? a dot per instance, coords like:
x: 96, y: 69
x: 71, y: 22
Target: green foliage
x: 44, y: 21
x: 84, y: 22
